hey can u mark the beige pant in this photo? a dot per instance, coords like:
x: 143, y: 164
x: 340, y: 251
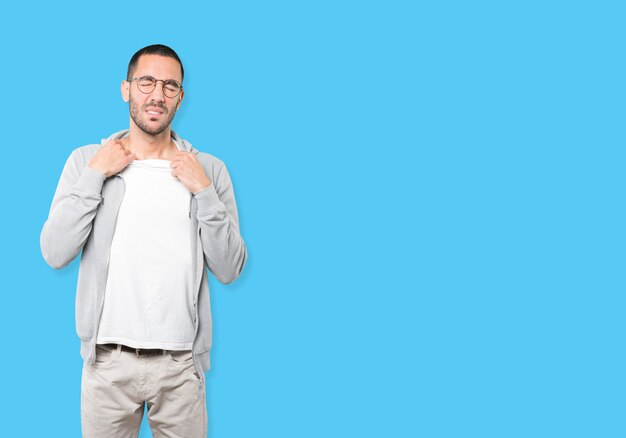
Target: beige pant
x: 116, y: 386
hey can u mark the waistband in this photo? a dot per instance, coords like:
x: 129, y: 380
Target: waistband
x: 140, y: 352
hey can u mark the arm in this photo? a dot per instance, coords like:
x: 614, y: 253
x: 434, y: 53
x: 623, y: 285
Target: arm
x: 224, y: 249
x: 76, y: 200
x: 73, y: 209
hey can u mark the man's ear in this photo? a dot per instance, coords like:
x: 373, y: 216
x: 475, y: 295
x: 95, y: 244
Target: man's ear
x: 125, y: 89
x: 180, y: 99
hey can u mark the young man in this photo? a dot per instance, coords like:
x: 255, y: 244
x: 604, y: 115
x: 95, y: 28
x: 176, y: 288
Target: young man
x: 148, y: 212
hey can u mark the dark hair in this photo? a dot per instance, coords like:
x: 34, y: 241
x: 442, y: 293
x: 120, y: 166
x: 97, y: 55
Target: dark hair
x: 155, y: 49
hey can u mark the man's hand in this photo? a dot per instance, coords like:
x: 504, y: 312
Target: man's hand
x: 111, y: 158
x: 187, y: 169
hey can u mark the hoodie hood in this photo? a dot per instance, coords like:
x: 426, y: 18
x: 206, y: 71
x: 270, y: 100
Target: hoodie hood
x: 183, y: 145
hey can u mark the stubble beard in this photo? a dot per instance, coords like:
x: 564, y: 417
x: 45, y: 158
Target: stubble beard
x: 135, y: 115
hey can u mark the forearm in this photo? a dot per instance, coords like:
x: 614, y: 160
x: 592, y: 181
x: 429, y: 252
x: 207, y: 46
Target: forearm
x: 224, y: 249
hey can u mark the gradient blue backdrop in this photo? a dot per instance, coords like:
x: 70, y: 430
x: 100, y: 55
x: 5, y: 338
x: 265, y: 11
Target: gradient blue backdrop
x: 431, y: 194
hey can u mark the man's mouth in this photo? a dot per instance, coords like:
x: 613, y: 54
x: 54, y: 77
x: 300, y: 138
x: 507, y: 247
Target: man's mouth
x: 153, y: 111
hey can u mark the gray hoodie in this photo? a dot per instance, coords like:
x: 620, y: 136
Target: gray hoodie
x: 83, y: 214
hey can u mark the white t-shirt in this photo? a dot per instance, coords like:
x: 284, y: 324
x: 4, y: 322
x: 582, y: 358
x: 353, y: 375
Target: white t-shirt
x: 148, y: 301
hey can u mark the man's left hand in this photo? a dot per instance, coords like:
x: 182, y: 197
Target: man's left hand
x: 187, y: 169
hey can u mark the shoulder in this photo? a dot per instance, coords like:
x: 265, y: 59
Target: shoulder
x: 213, y: 166
x: 208, y: 160
x: 80, y: 157
x: 84, y: 153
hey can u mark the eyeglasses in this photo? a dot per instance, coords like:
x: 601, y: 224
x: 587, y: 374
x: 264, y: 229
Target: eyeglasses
x: 147, y: 84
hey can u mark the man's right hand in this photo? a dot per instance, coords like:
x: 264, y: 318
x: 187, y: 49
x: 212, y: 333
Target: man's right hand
x: 111, y: 158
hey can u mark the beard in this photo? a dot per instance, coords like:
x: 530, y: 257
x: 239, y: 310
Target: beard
x: 137, y: 113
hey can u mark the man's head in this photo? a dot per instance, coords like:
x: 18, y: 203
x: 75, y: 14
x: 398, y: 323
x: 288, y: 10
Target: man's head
x: 155, y: 49
x: 153, y: 88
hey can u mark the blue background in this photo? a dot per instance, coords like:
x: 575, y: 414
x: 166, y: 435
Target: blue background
x: 431, y: 194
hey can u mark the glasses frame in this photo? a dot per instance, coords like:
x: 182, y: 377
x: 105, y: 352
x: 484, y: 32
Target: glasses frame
x: 155, y: 85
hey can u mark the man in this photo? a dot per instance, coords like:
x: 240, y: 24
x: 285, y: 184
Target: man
x: 148, y: 212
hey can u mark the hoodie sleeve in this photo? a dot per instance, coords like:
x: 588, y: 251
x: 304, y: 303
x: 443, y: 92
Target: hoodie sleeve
x: 73, y: 209
x: 224, y: 249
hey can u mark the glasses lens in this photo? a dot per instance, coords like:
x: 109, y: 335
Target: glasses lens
x: 146, y: 84
x: 171, y: 88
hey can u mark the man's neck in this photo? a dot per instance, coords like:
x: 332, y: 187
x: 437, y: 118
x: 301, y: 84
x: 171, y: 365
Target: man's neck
x: 150, y: 147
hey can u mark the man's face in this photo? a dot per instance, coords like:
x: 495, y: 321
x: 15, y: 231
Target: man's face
x: 153, y: 113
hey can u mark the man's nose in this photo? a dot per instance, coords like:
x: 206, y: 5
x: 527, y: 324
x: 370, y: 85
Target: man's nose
x: 157, y: 93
